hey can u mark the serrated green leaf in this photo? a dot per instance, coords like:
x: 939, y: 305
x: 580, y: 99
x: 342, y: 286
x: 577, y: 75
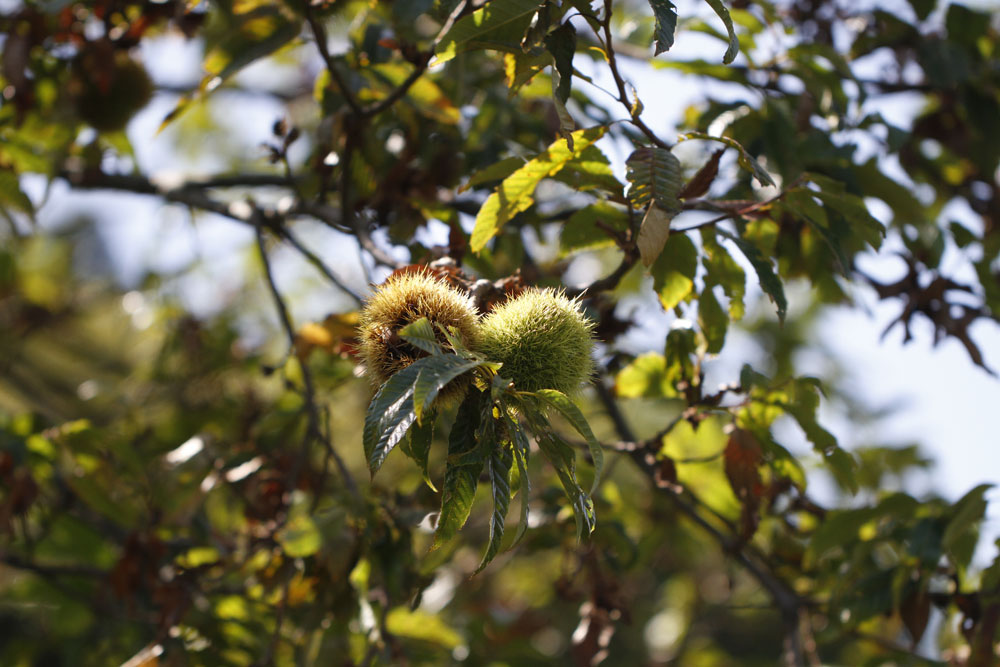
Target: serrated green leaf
x: 766, y: 275
x: 420, y: 334
x: 435, y: 373
x: 563, y: 459
x: 464, y: 464
x: 712, y: 320
x: 571, y: 413
x: 421, y: 437
x: 497, y: 25
x: 734, y: 42
x: 387, y: 413
x: 514, y: 194
x: 498, y: 469
x: 674, y: 270
x: 665, y: 16
x: 654, y: 175
x: 521, y: 450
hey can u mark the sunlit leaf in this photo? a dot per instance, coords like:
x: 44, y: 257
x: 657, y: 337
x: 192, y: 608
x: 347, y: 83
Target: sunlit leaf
x: 497, y: 25
x: 514, y: 194
x: 674, y: 270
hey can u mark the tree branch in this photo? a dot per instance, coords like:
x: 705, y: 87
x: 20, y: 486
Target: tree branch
x: 620, y: 82
x: 785, y: 598
x: 313, y: 430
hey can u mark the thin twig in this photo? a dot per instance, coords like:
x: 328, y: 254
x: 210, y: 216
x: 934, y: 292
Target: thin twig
x: 620, y: 82
x: 331, y: 66
x: 313, y: 431
x: 787, y: 600
x: 317, y: 262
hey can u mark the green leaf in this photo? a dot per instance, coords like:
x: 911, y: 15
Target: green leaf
x: 734, y: 42
x: 665, y: 15
x: 521, y: 455
x: 674, y: 270
x: 722, y: 269
x: 461, y: 476
x: 962, y: 532
x: 256, y: 34
x: 569, y: 410
x: 745, y: 160
x: 561, y: 43
x: 421, y: 437
x: 837, y: 530
x: 11, y: 195
x: 712, y: 320
x: 497, y: 25
x: 495, y: 172
x: 766, y: 275
x: 563, y: 459
x: 852, y: 207
x: 644, y: 377
x: 421, y: 625
x: 425, y: 96
x: 389, y: 415
x: 590, y: 170
x: 587, y: 229
x: 420, y: 334
x: 923, y: 8
x: 514, y: 194
x: 299, y: 538
x: 435, y: 373
x: 522, y: 449
x: 653, y: 174
x: 498, y: 469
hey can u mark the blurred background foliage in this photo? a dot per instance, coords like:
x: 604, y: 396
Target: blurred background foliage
x: 181, y: 474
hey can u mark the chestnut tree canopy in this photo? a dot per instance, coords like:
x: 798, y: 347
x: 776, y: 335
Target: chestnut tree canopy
x: 189, y: 445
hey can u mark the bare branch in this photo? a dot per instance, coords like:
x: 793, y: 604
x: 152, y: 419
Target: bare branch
x: 313, y: 431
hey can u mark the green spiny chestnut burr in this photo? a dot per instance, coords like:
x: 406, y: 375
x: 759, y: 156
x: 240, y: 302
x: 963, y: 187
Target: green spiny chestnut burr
x: 404, y: 299
x: 543, y: 340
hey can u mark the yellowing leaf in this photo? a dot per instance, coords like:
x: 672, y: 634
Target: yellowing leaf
x: 514, y: 194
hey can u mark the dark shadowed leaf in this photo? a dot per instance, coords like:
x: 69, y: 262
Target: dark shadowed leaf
x: 665, y: 15
x: 435, y: 373
x: 734, y: 42
x: 561, y: 43
x: 571, y: 413
x: 464, y: 464
x: 768, y: 279
x: 498, y: 471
